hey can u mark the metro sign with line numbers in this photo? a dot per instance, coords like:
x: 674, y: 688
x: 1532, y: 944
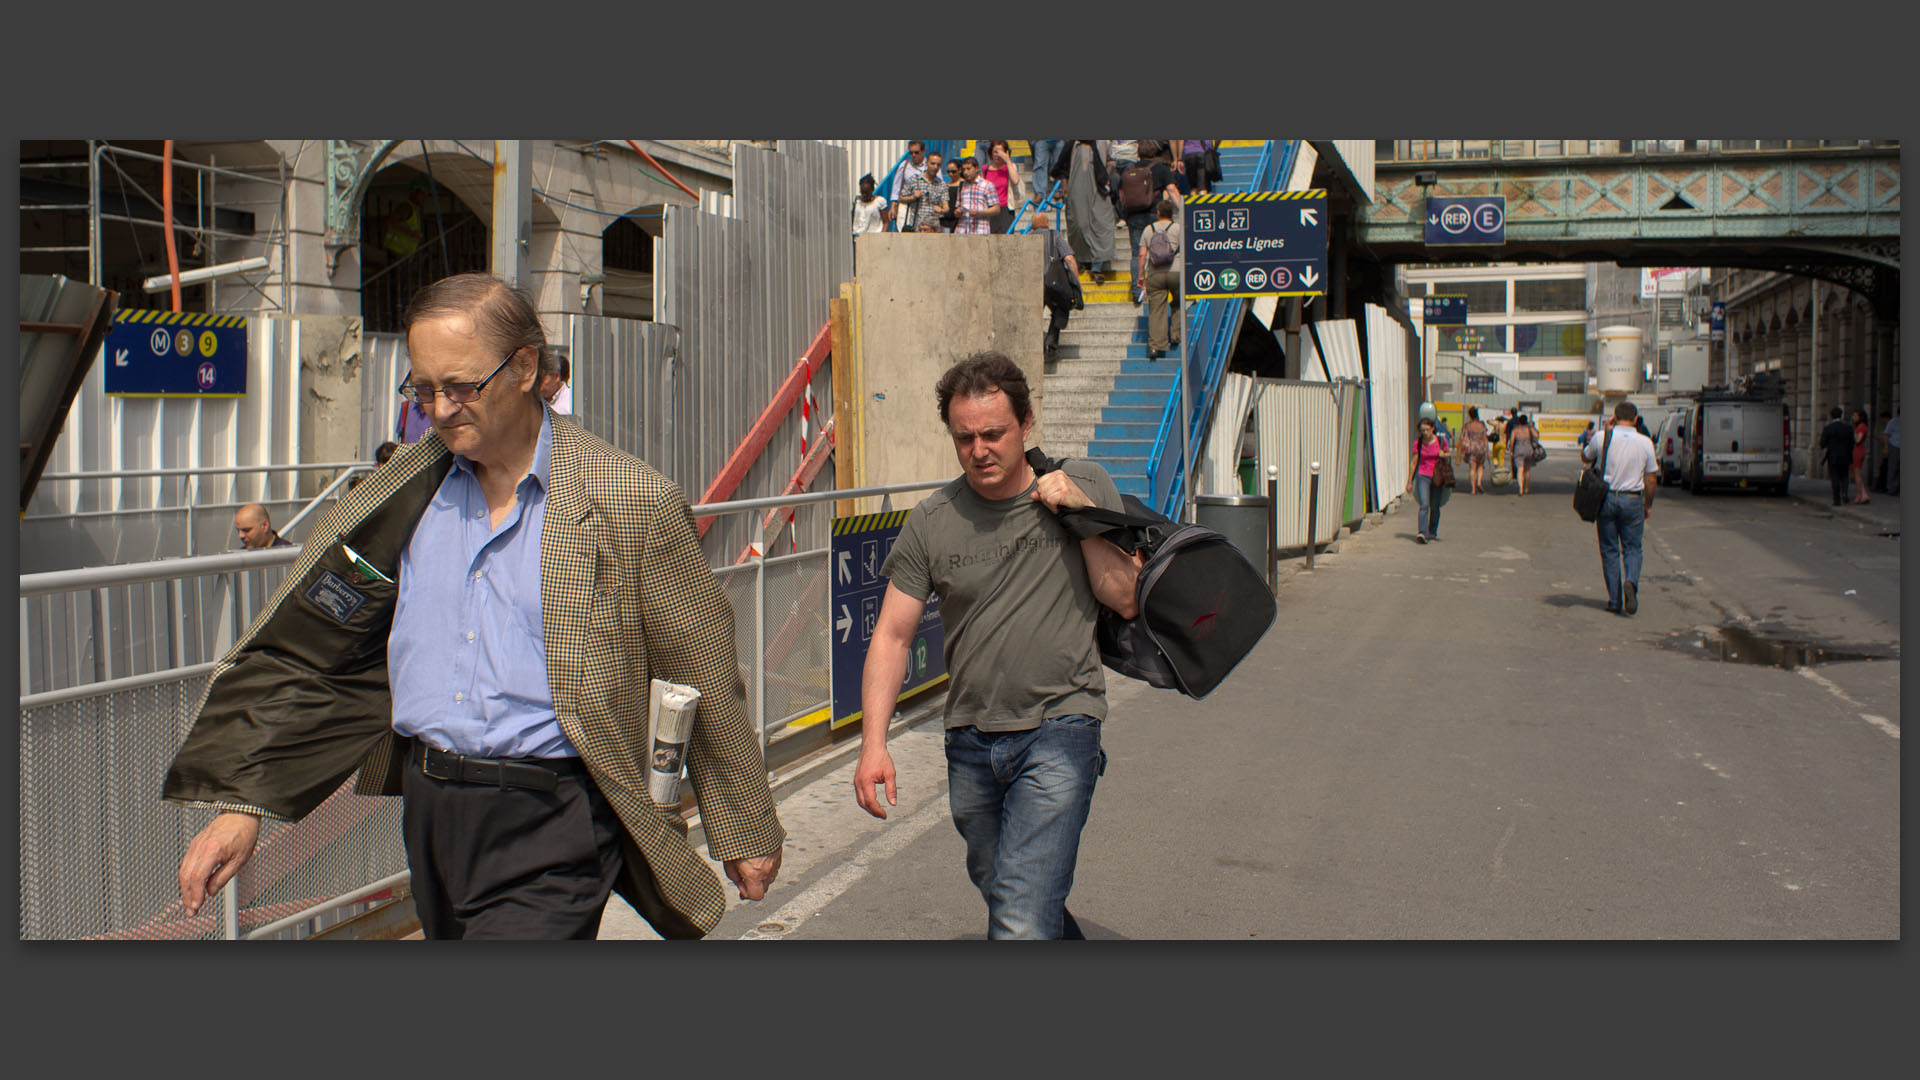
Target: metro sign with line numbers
x: 1264, y: 243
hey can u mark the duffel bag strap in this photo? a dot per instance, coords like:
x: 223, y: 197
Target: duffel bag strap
x: 1126, y: 530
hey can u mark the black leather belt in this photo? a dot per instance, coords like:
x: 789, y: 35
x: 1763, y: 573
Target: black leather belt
x: 536, y: 774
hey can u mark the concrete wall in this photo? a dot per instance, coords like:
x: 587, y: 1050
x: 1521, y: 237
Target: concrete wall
x: 330, y: 394
x: 926, y: 302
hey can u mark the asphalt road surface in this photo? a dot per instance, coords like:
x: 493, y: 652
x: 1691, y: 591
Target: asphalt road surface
x: 1455, y: 741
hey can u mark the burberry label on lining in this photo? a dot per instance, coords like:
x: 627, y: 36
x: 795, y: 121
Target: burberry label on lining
x: 335, y: 597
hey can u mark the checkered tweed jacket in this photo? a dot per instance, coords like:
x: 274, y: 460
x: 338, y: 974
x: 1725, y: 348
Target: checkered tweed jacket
x: 626, y: 596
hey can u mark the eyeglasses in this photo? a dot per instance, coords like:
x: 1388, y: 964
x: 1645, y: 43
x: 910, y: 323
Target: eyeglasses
x: 459, y: 393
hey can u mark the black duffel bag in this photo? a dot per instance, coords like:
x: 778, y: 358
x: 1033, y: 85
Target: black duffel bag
x: 1202, y: 605
x: 1590, y: 491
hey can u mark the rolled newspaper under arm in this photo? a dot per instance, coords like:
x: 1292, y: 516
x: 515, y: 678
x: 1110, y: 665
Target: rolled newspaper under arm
x: 673, y: 708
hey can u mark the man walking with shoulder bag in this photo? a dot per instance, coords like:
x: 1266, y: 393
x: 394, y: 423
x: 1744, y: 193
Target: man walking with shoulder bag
x: 1632, y: 472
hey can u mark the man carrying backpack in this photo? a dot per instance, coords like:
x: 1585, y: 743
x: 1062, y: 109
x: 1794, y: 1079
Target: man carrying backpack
x: 1140, y: 187
x: 1158, y: 269
x: 1019, y: 602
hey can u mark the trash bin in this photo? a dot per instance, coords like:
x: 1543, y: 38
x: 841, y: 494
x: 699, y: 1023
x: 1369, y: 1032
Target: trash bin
x: 1249, y: 474
x: 1242, y: 519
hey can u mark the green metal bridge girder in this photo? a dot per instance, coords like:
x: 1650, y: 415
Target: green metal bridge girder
x: 1833, y: 195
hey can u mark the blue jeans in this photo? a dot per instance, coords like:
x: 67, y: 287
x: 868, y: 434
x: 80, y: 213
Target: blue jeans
x: 1623, y: 518
x: 1019, y: 800
x: 1045, y: 153
x: 1429, y: 520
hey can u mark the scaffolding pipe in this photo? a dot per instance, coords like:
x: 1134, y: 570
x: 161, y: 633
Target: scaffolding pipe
x: 166, y: 208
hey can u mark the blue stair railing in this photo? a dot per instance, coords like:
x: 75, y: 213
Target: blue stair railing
x: 1023, y: 218
x: 1212, y: 327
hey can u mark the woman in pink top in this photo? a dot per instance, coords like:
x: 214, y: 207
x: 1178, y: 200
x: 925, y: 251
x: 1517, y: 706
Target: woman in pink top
x: 1427, y: 451
x: 1858, y: 470
x: 1004, y: 175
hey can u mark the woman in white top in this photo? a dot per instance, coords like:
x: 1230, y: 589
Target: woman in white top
x: 870, y: 212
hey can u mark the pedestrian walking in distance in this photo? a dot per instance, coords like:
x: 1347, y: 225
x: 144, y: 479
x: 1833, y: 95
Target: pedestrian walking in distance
x: 1632, y: 473
x: 1523, y: 444
x: 1428, y: 449
x: 1836, y: 443
x: 1476, y: 448
x: 1858, y: 472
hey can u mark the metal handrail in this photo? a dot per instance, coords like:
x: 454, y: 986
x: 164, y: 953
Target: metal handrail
x: 345, y: 477
x: 207, y: 470
x: 48, y: 582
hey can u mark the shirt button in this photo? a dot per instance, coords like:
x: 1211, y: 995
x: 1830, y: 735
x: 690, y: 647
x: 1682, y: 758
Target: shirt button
x: 478, y: 574
x: 469, y: 635
x: 459, y: 696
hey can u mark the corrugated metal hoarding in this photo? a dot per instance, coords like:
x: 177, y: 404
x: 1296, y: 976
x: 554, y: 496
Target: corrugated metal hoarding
x: 864, y: 156
x: 1220, y: 455
x: 1298, y: 423
x: 748, y: 293
x: 1392, y: 405
x: 622, y: 385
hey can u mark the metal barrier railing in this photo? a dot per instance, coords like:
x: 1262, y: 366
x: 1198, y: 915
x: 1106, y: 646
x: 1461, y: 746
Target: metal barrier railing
x: 190, y: 502
x: 100, y: 850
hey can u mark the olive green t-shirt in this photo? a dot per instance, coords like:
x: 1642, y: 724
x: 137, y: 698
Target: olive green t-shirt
x: 1015, y: 602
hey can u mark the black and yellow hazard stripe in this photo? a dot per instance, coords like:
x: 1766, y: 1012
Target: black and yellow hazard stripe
x: 864, y: 522
x: 179, y: 318
x: 1256, y: 196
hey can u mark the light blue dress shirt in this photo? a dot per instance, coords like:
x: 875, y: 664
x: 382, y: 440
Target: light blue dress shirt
x: 467, y: 656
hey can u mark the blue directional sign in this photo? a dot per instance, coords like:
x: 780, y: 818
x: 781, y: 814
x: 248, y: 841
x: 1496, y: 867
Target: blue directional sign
x: 859, y: 548
x: 1474, y: 219
x: 175, y: 354
x: 1446, y: 310
x: 1264, y: 243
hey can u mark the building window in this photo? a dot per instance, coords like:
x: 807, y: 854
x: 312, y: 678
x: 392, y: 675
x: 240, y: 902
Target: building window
x: 1566, y: 294
x: 1483, y: 297
x: 1535, y: 340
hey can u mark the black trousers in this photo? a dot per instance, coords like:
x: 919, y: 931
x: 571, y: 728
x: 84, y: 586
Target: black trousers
x: 492, y: 862
x: 1197, y: 171
x: 1837, y: 476
x: 1056, y: 321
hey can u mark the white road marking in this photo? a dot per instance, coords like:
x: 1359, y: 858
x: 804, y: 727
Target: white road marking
x: 1880, y: 722
x: 829, y: 888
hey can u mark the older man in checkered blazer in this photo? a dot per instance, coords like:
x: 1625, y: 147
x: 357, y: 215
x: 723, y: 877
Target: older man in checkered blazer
x: 475, y: 627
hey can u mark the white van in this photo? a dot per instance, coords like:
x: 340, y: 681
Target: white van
x: 1736, y: 439
x: 1671, y: 441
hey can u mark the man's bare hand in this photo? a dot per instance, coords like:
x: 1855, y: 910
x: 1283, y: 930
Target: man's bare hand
x: 752, y: 876
x: 876, y: 767
x: 215, y: 855
x: 1058, y: 491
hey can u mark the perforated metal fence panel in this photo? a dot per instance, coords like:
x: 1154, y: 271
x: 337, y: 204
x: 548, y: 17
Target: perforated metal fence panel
x: 100, y: 850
